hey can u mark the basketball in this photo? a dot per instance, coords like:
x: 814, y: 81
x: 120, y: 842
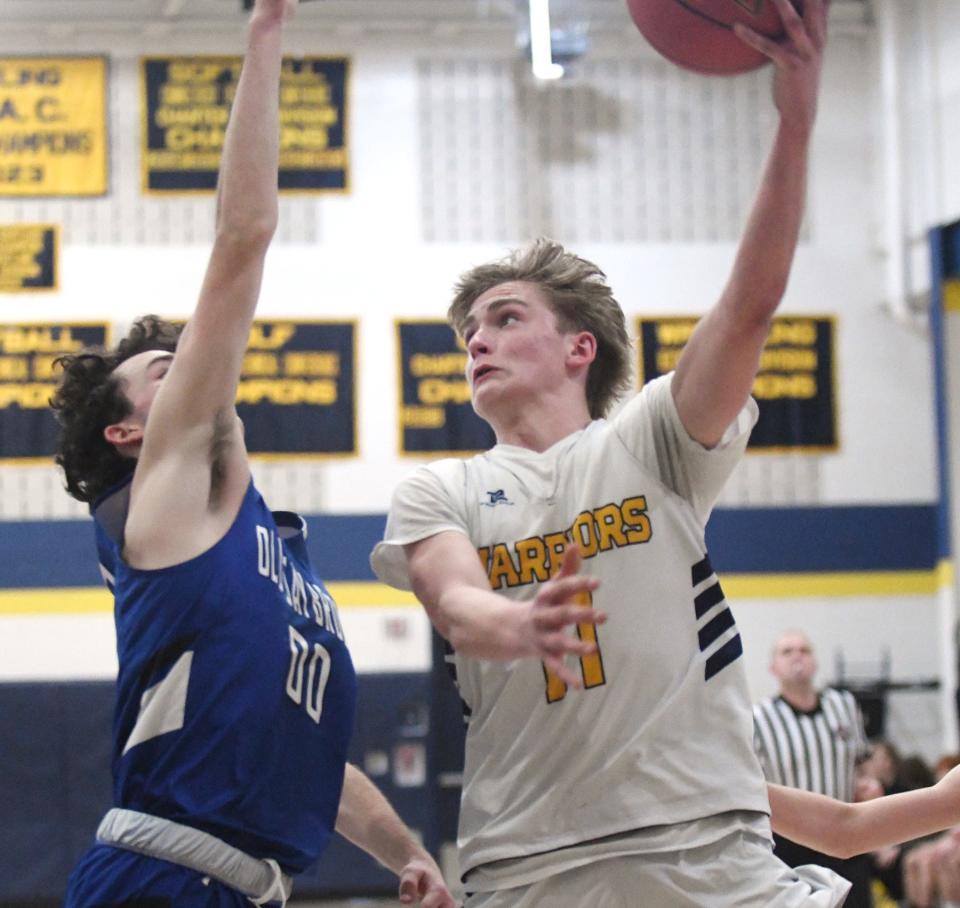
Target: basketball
x: 698, y: 34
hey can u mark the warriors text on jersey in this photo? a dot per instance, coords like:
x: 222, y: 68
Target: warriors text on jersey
x: 662, y: 731
x: 236, y: 693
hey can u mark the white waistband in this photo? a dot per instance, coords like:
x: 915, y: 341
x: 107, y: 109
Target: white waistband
x: 261, y: 880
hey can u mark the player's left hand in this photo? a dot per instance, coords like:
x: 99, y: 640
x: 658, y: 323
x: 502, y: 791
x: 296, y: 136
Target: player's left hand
x: 421, y: 883
x: 797, y: 58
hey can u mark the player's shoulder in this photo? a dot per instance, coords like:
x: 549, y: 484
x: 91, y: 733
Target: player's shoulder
x: 444, y: 469
x: 443, y: 476
x: 653, y: 401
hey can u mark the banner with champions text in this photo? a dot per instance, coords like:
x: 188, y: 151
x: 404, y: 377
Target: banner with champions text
x: 436, y: 416
x: 186, y: 106
x: 53, y: 126
x: 794, y: 389
x: 29, y: 256
x: 297, y: 393
x: 28, y: 378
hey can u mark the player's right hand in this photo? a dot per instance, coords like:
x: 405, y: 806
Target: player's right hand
x: 559, y: 604
x: 797, y: 58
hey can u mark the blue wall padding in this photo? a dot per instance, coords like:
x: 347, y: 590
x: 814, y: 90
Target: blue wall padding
x: 740, y: 540
x: 55, y: 783
x: 795, y: 540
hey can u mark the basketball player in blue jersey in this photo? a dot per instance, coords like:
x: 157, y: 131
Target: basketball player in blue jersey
x: 609, y: 751
x: 236, y: 691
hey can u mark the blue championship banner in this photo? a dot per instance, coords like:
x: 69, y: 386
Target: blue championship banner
x: 186, y: 106
x: 436, y: 416
x: 29, y: 255
x: 794, y: 388
x: 28, y: 378
x: 297, y: 392
x: 53, y: 126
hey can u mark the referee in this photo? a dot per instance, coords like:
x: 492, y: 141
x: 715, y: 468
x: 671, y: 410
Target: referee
x: 812, y: 740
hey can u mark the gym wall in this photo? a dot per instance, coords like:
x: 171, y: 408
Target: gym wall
x: 456, y: 156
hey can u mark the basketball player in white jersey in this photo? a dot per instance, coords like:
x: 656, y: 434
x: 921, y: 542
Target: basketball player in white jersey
x: 612, y: 766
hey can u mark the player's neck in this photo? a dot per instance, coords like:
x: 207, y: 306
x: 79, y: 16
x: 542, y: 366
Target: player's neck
x: 538, y: 429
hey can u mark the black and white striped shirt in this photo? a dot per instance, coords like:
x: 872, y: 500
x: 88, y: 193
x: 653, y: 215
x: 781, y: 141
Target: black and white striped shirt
x: 816, y: 750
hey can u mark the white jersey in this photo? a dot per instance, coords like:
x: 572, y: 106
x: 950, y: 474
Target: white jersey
x: 662, y: 731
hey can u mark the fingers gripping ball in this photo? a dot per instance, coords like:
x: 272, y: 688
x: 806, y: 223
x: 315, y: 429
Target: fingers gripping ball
x: 698, y: 34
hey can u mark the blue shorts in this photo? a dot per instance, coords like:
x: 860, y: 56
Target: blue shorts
x: 108, y: 877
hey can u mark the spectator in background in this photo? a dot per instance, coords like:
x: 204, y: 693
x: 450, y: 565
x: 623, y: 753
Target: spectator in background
x: 812, y: 739
x: 895, y: 774
x: 883, y: 765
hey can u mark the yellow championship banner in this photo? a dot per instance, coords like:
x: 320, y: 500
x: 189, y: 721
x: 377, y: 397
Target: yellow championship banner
x: 29, y: 255
x: 186, y: 107
x: 794, y: 389
x: 28, y: 378
x: 53, y: 126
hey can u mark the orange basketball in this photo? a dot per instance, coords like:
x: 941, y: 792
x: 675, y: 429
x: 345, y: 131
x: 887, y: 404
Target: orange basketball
x: 698, y: 34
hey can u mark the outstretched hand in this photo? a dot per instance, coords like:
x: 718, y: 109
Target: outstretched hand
x: 562, y: 602
x: 798, y: 58
x: 421, y: 883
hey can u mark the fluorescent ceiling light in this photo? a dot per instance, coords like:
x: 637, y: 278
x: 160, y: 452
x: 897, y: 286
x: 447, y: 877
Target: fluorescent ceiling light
x: 540, y: 47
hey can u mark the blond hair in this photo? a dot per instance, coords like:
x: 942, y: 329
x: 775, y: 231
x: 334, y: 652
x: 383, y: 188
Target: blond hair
x: 579, y: 295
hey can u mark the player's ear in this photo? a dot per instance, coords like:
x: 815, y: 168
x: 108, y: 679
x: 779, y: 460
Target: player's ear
x: 123, y: 435
x: 583, y: 348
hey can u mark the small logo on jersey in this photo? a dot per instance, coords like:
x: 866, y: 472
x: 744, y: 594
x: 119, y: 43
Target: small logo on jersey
x: 495, y: 498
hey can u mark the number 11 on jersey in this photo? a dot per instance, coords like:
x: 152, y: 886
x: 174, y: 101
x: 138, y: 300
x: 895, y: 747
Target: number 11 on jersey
x: 591, y: 666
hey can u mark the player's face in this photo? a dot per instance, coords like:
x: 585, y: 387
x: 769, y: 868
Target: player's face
x: 516, y: 352
x: 140, y: 377
x: 793, y: 659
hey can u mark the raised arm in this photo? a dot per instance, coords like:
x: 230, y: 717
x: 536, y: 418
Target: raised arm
x: 449, y: 580
x: 202, y: 382
x: 844, y: 830
x: 716, y: 370
x: 192, y: 468
x: 367, y: 819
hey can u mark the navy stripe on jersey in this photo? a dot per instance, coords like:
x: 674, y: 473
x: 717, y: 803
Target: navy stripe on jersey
x: 712, y: 630
x: 718, y: 630
x: 729, y: 652
x: 701, y: 570
x: 708, y: 599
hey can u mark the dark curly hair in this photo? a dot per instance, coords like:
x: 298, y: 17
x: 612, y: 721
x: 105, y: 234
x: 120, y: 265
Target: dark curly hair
x: 89, y: 398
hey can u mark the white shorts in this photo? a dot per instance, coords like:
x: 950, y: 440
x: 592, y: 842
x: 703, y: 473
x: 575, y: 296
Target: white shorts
x: 737, y: 871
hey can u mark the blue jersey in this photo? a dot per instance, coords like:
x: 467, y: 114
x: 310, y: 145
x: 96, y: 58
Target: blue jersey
x: 236, y: 692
